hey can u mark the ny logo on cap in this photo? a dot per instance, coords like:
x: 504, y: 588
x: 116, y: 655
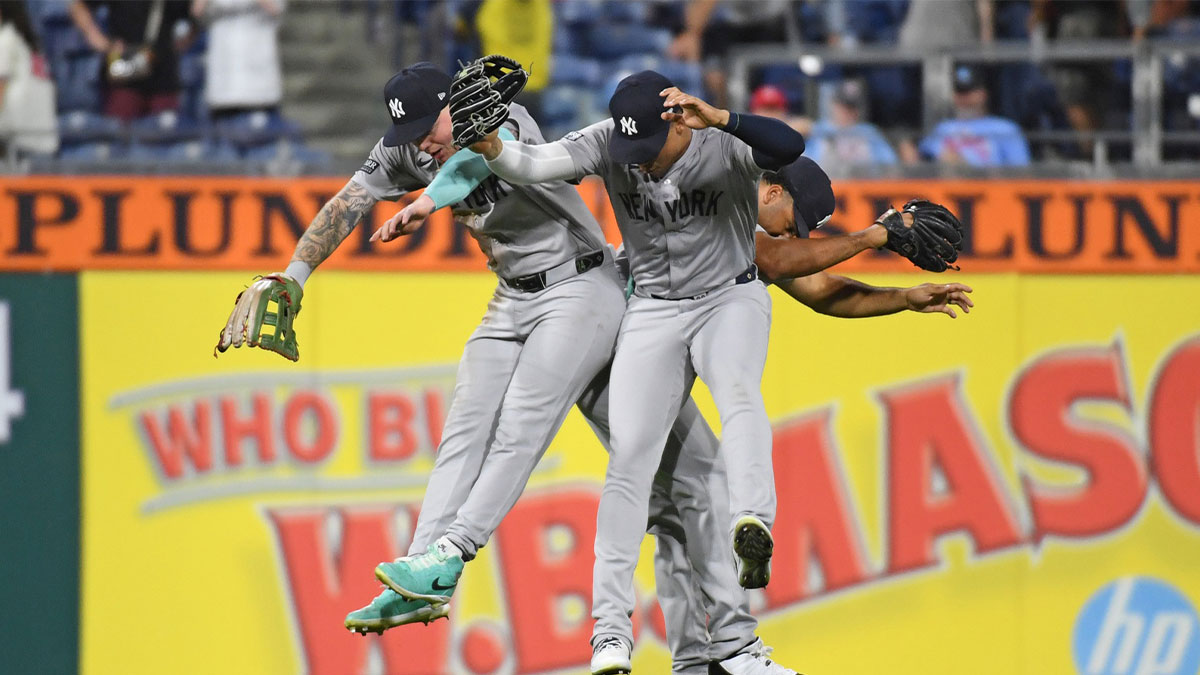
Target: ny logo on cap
x: 628, y: 126
x: 397, y: 107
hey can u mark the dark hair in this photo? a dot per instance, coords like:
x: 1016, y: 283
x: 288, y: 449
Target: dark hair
x: 773, y: 178
x: 15, y: 12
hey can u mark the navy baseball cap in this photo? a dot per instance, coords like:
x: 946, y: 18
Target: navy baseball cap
x: 967, y: 78
x: 414, y: 98
x: 812, y: 194
x: 639, y: 131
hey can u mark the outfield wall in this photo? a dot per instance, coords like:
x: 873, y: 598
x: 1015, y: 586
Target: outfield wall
x: 1014, y: 491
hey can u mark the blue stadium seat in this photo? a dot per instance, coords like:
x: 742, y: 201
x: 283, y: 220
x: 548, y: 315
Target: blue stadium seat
x: 613, y: 41
x: 255, y: 129
x: 627, y: 11
x: 565, y: 106
x: 569, y: 70
x: 91, y: 152
x: 82, y: 127
x: 686, y: 75
x: 164, y: 128
x: 285, y: 150
x: 579, y: 11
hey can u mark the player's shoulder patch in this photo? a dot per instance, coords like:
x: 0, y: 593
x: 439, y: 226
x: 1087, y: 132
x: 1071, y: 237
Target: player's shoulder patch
x: 369, y: 166
x: 573, y: 136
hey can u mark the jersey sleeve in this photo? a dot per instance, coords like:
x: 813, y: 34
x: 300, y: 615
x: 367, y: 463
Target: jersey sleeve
x: 386, y: 174
x: 741, y: 155
x: 588, y: 149
x: 461, y: 174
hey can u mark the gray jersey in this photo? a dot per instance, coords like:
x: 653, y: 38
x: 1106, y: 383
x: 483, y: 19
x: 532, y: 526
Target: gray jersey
x: 523, y: 229
x: 690, y: 232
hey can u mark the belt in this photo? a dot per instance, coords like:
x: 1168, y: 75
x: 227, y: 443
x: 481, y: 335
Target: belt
x: 751, y: 274
x: 531, y: 283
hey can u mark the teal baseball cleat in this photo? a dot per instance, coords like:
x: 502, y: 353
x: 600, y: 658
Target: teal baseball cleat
x: 389, y: 609
x: 430, y: 576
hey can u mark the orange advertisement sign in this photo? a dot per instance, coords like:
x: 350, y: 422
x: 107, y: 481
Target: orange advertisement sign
x: 221, y: 223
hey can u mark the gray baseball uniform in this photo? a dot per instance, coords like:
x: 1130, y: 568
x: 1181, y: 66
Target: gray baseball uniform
x: 520, y: 224
x: 689, y: 502
x: 690, y: 238
x: 534, y: 352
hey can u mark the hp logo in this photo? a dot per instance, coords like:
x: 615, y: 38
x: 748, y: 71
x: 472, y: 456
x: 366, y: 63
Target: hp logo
x: 1137, y: 626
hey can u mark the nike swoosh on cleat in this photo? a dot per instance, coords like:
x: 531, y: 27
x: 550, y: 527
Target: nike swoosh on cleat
x: 439, y: 587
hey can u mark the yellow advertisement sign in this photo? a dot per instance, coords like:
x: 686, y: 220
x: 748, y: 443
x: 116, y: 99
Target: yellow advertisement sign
x: 1014, y: 491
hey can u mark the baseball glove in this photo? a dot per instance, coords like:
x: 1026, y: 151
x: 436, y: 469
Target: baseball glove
x: 251, y: 312
x: 480, y: 94
x: 933, y: 241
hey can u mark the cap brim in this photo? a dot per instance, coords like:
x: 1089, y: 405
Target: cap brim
x: 625, y: 150
x: 409, y: 131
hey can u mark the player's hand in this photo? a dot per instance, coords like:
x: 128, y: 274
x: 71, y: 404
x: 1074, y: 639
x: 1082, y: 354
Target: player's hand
x: 694, y: 112
x: 254, y: 324
x: 408, y: 220
x: 932, y: 298
x: 490, y: 146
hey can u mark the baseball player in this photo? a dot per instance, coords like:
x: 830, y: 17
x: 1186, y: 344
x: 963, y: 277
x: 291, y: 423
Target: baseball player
x: 683, y: 188
x: 520, y: 229
x: 695, y: 577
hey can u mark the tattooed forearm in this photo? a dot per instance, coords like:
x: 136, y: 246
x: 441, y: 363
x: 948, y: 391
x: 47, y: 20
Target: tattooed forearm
x: 333, y: 224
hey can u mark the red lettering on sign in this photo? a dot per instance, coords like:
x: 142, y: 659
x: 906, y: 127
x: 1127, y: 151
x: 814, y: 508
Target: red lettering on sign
x: 930, y: 431
x: 539, y: 575
x: 257, y: 426
x: 1175, y: 430
x: 183, y: 438
x: 816, y: 521
x: 325, y: 587
x: 324, y: 426
x: 1040, y: 415
x: 389, y: 422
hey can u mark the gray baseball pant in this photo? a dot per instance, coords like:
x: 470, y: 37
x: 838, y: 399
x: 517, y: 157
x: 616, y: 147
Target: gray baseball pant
x: 529, y: 359
x: 722, y: 337
x: 707, y: 612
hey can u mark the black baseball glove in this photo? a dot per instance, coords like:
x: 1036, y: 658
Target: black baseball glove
x: 933, y: 241
x: 480, y: 94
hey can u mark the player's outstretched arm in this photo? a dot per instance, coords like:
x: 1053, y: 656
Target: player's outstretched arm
x: 525, y: 164
x: 332, y: 224
x: 252, y: 322
x: 848, y: 298
x: 779, y: 258
x: 461, y: 174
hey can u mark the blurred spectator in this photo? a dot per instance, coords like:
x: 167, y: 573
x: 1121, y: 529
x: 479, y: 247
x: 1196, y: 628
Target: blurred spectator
x: 709, y: 34
x: 845, y: 140
x: 140, y: 72
x: 27, y: 120
x: 973, y: 138
x: 242, y: 62
x: 944, y: 24
x: 522, y: 30
x: 1085, y: 88
x: 770, y: 101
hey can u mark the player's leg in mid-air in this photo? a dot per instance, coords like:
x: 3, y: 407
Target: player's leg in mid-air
x: 707, y: 612
x: 570, y: 328
x: 484, y: 372
x: 728, y: 332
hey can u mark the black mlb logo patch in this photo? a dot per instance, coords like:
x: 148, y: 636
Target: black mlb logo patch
x: 369, y: 166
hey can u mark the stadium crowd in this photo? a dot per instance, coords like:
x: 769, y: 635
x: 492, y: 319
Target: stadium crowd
x: 190, y: 80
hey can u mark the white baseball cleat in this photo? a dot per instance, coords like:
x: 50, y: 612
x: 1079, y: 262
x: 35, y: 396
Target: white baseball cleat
x: 754, y: 660
x: 610, y: 656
